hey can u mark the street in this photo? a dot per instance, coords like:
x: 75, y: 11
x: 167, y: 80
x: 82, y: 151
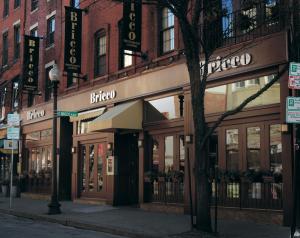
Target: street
x: 15, y: 227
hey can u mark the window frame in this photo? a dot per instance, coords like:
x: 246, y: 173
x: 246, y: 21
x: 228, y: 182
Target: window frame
x: 5, y: 8
x: 17, y: 41
x: 50, y: 30
x: 5, y: 48
x: 163, y: 30
x: 98, y: 57
x: 34, y: 5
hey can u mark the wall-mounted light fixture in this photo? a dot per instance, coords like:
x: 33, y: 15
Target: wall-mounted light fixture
x: 189, y: 139
x: 109, y: 146
x: 73, y: 150
x: 140, y: 143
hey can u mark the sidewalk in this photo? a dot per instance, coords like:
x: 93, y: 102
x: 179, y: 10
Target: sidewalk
x: 132, y: 222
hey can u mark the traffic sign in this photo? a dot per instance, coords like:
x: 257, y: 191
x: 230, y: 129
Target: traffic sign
x: 67, y: 114
x: 13, y: 119
x: 13, y: 133
x: 294, y: 76
x: 10, y: 144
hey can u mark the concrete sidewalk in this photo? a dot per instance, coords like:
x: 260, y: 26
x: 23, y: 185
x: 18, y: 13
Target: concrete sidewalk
x: 132, y: 222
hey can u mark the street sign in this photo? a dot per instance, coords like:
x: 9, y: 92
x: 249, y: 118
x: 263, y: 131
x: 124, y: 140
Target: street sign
x: 67, y: 114
x: 11, y: 144
x: 294, y: 76
x: 293, y: 109
x: 13, y: 119
x: 13, y: 133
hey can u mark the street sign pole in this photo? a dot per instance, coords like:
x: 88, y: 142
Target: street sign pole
x: 11, y: 176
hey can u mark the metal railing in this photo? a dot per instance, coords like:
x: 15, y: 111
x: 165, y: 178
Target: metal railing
x: 245, y: 194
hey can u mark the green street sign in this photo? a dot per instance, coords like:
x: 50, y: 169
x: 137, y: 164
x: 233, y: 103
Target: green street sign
x: 67, y: 114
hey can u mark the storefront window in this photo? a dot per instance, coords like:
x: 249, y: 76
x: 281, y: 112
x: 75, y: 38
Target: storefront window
x: 169, y: 153
x: 275, y: 148
x: 232, y: 150
x: 169, y: 107
x: 101, y: 156
x: 227, y: 97
x: 181, y: 153
x: 253, y: 148
x: 91, y: 167
x: 155, y: 154
x: 83, y: 156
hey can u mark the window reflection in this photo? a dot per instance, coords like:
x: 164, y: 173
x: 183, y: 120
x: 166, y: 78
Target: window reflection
x: 253, y: 148
x: 100, y: 158
x: 155, y: 158
x: 169, y: 107
x: 169, y: 154
x: 232, y: 149
x: 229, y: 96
x: 275, y: 149
x: 91, y: 168
x: 83, y: 156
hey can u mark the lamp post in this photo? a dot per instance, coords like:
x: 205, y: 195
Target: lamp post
x: 54, y: 206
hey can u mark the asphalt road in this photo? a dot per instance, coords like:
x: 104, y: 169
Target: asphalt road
x: 14, y: 227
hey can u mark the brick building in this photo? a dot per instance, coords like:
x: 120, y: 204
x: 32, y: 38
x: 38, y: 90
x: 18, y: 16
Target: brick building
x: 127, y: 145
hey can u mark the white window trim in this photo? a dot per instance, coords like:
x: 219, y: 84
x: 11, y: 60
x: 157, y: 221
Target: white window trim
x: 49, y: 64
x: 51, y: 14
x: 18, y: 22
x: 33, y: 26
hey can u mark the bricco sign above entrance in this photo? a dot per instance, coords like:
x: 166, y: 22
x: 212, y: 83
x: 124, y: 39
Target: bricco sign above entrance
x: 102, y: 96
x: 221, y: 64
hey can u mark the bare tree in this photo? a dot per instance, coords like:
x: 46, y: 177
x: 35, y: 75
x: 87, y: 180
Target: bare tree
x: 199, y: 21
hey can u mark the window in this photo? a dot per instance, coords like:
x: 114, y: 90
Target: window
x: 48, y: 85
x: 232, y: 149
x: 167, y: 31
x: 50, y: 30
x: 100, y: 64
x: 75, y: 3
x: 228, y: 96
x: 17, y: 3
x: 5, y: 48
x: 34, y: 4
x: 227, y: 19
x: 17, y: 41
x: 15, y: 94
x: 248, y: 16
x: 34, y: 32
x: 5, y: 8
x: 271, y: 11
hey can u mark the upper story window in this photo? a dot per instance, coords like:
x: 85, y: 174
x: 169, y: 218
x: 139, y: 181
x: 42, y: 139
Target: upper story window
x: 17, y: 3
x: 75, y: 3
x: 5, y: 48
x: 50, y: 30
x: 100, y: 57
x: 271, y: 11
x: 34, y: 4
x: 5, y: 8
x: 34, y: 31
x: 227, y: 19
x: 167, y: 31
x: 17, y: 41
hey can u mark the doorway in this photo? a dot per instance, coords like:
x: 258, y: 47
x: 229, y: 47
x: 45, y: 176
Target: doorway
x: 126, y: 151
x: 92, y: 179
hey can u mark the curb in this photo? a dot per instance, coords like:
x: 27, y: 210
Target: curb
x: 79, y: 225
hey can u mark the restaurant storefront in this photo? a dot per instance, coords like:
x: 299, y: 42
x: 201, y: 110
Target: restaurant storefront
x: 128, y: 144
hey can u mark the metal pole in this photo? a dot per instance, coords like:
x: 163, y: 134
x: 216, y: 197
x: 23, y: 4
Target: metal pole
x: 190, y: 186
x: 216, y: 195
x: 54, y: 206
x: 11, y: 174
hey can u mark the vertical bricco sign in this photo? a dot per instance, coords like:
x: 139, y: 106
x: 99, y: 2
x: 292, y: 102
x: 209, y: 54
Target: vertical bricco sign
x: 132, y: 24
x: 73, y: 28
x: 31, y: 63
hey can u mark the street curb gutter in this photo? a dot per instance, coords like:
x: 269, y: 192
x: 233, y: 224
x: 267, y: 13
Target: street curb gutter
x: 79, y: 225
